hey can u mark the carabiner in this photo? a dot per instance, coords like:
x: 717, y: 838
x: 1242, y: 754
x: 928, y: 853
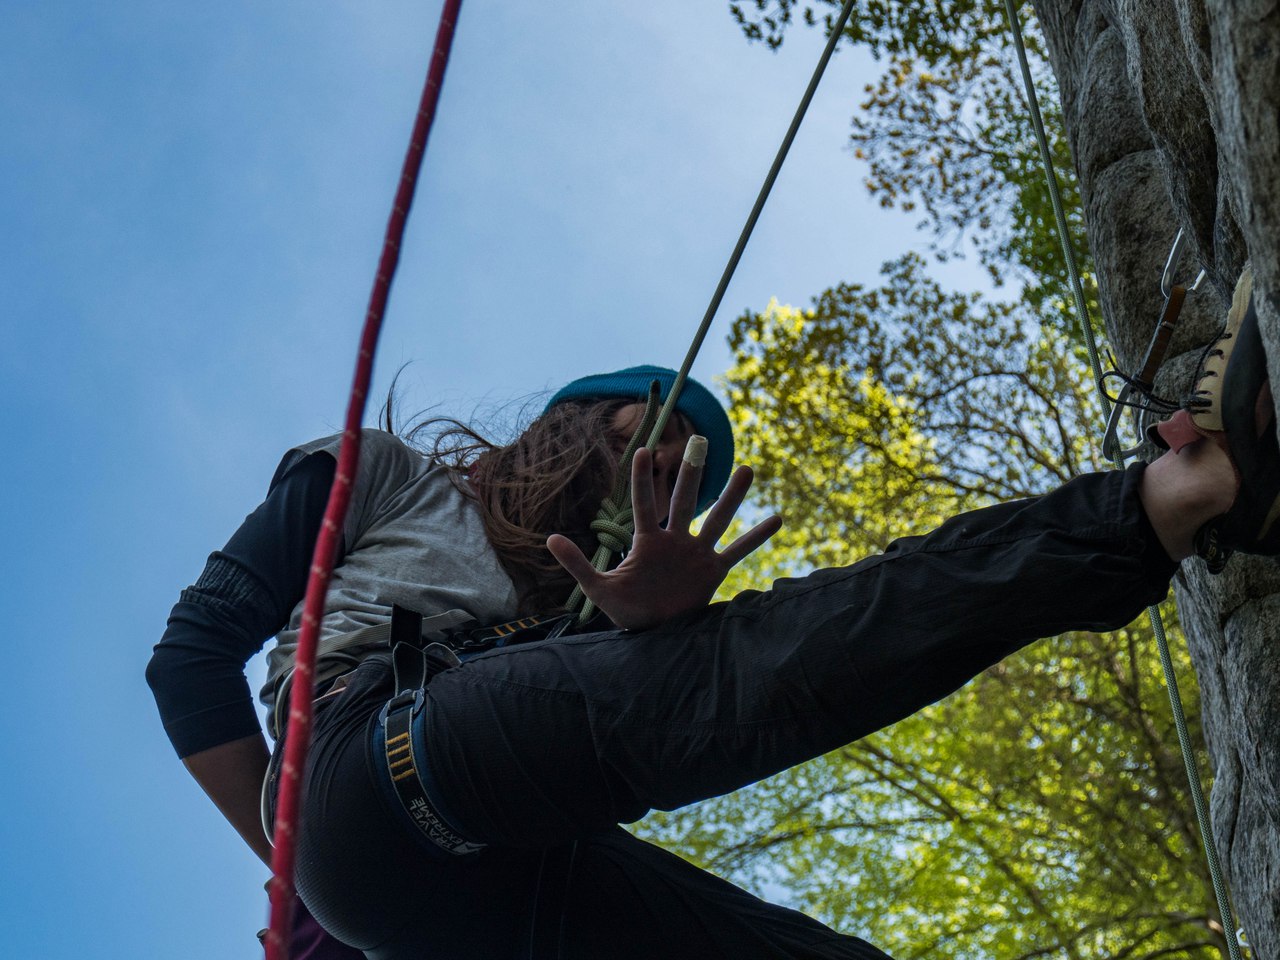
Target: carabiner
x: 1143, y: 381
x: 1171, y: 265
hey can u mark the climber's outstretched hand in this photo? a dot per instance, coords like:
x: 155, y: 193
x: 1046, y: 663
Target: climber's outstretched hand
x: 669, y: 570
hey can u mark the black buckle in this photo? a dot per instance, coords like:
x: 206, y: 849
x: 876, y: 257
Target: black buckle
x: 413, y: 699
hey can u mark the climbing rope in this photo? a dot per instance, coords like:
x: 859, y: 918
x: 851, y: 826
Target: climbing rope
x: 615, y: 523
x: 604, y: 555
x: 299, y: 730
x: 1220, y: 891
x: 837, y: 30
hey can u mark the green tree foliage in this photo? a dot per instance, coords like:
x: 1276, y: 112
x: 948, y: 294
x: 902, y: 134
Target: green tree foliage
x: 945, y: 130
x: 907, y: 403
x: 1041, y: 811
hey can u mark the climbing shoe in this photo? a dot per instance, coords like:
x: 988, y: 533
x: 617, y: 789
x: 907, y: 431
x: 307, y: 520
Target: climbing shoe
x: 1231, y: 405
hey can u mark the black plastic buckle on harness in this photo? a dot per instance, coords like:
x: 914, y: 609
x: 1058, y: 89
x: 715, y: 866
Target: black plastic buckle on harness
x: 414, y: 665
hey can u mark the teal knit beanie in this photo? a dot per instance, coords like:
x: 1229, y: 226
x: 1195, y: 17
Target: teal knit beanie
x: 696, y: 402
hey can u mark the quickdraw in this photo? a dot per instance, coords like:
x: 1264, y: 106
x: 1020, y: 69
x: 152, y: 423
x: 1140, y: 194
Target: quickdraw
x: 1141, y: 384
x: 1221, y: 894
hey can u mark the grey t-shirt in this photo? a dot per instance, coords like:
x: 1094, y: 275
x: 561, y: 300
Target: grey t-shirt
x: 411, y: 538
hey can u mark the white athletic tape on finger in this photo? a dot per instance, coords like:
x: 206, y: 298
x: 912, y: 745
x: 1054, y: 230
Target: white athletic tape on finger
x: 695, y: 451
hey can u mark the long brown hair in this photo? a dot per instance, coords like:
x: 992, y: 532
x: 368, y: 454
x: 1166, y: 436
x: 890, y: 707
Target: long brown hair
x: 549, y: 479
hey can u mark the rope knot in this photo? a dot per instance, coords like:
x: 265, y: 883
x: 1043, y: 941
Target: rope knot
x: 614, y: 526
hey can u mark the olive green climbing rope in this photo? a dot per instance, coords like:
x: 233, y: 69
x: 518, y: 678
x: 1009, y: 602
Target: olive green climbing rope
x: 614, y: 518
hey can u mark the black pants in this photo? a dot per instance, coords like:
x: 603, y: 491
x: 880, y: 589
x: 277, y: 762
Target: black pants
x: 549, y: 743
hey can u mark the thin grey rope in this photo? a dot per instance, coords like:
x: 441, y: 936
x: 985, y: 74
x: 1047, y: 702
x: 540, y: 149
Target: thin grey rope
x: 604, y: 553
x: 837, y: 29
x: 1153, y: 612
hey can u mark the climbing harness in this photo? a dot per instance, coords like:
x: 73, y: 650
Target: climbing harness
x: 399, y: 746
x: 457, y: 629
x: 338, y: 655
x: 417, y: 655
x: 419, y: 648
x: 1167, y: 287
x: 399, y: 749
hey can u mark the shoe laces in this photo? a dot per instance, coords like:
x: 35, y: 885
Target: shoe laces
x: 1201, y: 398
x: 1150, y: 402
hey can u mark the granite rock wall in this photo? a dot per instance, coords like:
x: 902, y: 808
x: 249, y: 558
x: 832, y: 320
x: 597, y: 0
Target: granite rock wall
x: 1173, y: 112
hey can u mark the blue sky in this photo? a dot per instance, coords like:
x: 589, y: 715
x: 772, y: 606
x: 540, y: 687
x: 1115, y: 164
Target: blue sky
x: 194, y: 197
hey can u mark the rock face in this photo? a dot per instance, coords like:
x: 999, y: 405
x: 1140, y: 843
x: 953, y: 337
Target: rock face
x: 1173, y: 113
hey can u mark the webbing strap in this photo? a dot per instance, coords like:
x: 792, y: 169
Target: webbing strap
x: 299, y: 741
x: 1153, y: 612
x: 335, y: 655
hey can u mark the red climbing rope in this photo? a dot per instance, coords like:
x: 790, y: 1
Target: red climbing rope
x: 299, y: 738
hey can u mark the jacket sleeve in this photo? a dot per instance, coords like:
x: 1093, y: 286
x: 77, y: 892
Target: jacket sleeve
x: 244, y: 596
